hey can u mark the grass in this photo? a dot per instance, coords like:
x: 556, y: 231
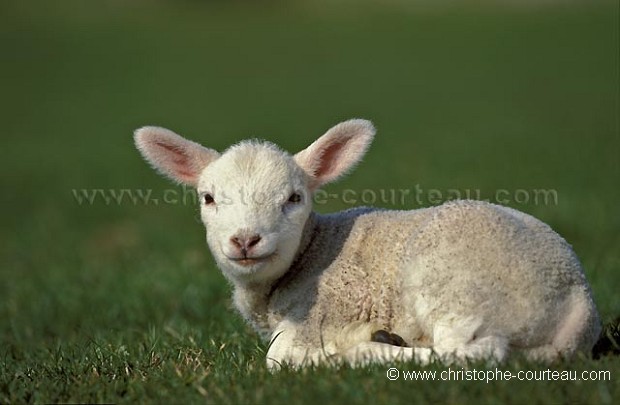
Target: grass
x: 121, y: 302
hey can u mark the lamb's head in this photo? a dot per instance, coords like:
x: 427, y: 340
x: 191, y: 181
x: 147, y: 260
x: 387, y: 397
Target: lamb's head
x: 255, y: 198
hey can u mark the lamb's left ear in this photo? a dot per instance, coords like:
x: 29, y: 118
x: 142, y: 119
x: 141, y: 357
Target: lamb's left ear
x: 336, y: 152
x: 172, y: 155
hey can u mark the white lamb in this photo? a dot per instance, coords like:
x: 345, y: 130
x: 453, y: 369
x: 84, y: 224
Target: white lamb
x: 466, y: 280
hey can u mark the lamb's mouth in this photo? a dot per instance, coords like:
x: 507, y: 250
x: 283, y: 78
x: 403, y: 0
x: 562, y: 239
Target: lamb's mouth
x: 250, y: 261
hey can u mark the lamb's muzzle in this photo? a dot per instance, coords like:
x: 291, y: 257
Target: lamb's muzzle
x: 244, y: 244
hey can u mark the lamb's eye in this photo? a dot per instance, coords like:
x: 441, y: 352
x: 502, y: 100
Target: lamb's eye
x: 208, y: 198
x: 294, y: 198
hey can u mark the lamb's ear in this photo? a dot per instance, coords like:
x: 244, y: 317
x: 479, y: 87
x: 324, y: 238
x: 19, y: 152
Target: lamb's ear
x: 172, y: 155
x: 336, y: 152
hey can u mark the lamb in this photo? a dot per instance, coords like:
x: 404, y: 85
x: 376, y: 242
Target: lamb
x: 466, y: 280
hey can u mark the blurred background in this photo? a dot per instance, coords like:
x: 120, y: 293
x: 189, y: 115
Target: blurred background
x: 467, y: 95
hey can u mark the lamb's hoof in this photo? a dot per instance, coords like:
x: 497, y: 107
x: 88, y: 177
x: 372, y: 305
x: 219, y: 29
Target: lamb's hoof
x: 383, y: 336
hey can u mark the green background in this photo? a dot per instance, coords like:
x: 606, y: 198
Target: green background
x: 120, y: 301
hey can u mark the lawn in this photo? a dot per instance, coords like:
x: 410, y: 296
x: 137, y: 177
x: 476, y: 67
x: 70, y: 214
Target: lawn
x: 119, y: 300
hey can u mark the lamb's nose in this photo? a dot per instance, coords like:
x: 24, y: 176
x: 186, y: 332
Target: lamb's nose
x: 245, y: 243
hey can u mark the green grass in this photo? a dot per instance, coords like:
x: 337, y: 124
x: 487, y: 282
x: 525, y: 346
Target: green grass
x: 123, y: 303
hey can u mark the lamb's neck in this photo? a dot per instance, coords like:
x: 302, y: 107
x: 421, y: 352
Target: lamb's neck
x: 307, y: 237
x: 251, y: 301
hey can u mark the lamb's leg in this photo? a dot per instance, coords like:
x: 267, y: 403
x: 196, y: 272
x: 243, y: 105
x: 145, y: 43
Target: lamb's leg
x: 454, y: 339
x: 458, y: 339
x: 374, y: 352
x: 351, y: 349
x: 577, y: 331
x: 284, y: 350
x: 360, y: 355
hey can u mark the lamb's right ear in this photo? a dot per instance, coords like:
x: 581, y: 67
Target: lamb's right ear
x: 172, y: 155
x: 336, y: 152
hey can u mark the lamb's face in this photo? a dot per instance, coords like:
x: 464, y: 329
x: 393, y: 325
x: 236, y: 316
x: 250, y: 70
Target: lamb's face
x: 255, y: 199
x: 254, y: 203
